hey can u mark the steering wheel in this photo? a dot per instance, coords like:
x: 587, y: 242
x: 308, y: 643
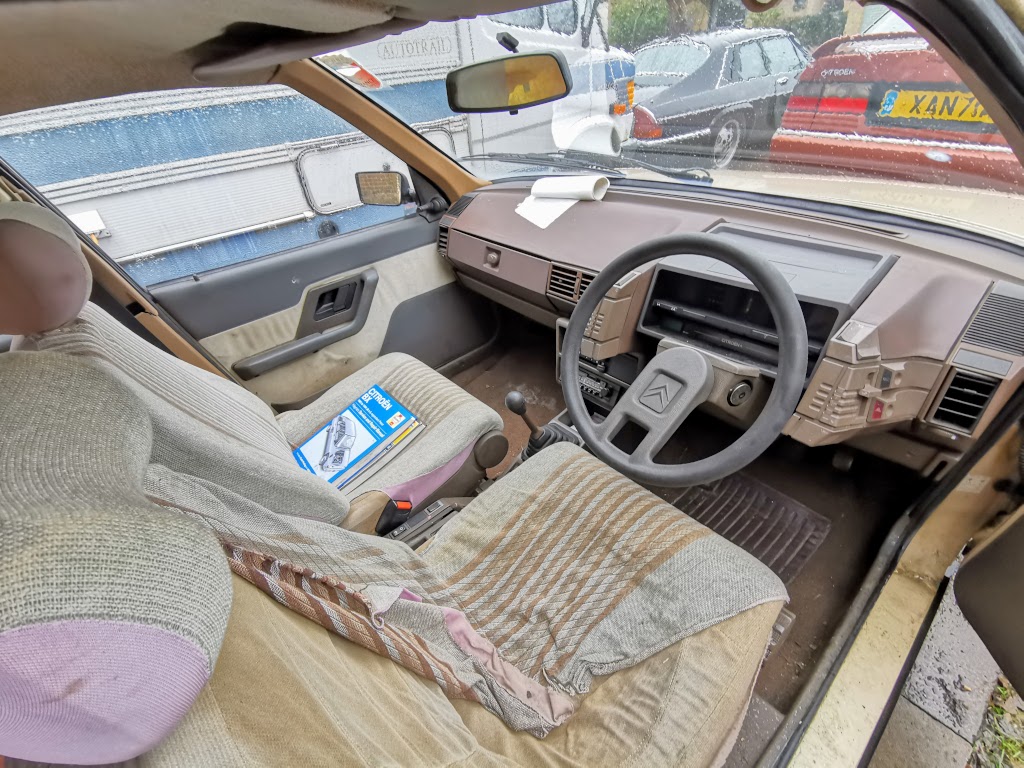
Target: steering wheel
x: 677, y: 380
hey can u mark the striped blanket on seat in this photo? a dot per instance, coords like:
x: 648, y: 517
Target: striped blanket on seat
x: 561, y: 571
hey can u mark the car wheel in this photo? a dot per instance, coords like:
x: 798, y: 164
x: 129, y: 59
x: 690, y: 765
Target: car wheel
x: 726, y: 140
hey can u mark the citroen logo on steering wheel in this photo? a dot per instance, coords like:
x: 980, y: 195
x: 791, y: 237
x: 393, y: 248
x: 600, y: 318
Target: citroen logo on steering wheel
x: 661, y: 392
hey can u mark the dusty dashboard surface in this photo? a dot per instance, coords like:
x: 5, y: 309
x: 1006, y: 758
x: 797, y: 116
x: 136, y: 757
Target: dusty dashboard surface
x: 915, y: 338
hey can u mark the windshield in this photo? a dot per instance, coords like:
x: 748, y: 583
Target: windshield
x: 824, y: 101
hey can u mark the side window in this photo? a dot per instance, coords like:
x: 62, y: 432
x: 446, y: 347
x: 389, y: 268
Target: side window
x: 748, y: 62
x: 529, y: 18
x: 782, y: 56
x: 174, y: 183
x: 562, y: 17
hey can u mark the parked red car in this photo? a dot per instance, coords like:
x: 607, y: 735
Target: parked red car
x: 888, y: 104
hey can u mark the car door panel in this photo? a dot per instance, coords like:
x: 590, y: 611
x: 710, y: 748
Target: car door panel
x: 752, y: 82
x: 764, y: 99
x: 314, y: 333
x: 256, y: 318
x: 785, y: 65
x: 210, y: 302
x: 784, y: 85
x: 989, y: 588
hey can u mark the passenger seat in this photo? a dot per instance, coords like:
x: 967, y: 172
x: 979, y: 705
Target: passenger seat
x: 462, y: 436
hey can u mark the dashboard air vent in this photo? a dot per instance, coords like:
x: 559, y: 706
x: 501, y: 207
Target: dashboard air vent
x: 999, y: 323
x: 585, y: 280
x: 568, y: 283
x: 459, y: 205
x: 442, y: 241
x: 964, y: 401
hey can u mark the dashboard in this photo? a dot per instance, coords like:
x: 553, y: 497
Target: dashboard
x: 916, y: 337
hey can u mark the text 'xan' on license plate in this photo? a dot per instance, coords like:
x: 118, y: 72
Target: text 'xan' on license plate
x: 933, y: 105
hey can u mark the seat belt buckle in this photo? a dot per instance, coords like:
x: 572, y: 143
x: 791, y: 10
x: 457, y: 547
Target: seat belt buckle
x: 428, y: 521
x: 395, y: 513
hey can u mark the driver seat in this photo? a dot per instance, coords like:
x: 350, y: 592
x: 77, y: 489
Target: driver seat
x: 172, y: 595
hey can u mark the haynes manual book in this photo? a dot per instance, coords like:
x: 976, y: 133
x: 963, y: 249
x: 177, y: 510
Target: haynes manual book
x: 365, y: 467
x: 357, y: 438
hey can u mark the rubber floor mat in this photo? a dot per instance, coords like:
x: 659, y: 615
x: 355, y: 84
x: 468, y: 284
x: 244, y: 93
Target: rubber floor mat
x: 780, y: 532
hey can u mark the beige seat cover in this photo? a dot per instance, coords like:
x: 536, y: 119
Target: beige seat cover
x: 286, y: 692
x: 680, y: 707
x: 43, y: 297
x: 557, y: 575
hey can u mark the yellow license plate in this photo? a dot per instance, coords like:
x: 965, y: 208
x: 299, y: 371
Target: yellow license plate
x: 955, y: 106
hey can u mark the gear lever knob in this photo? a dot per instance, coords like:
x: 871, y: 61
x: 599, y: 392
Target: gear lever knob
x: 516, y: 403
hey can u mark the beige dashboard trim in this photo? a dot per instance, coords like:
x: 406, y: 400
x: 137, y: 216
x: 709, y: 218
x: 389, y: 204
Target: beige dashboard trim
x: 876, y: 383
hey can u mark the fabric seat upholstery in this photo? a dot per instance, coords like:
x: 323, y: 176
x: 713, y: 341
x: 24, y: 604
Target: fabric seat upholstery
x: 341, y: 705
x: 224, y: 410
x: 112, y: 612
x: 454, y: 420
x: 679, y: 706
x: 564, y: 602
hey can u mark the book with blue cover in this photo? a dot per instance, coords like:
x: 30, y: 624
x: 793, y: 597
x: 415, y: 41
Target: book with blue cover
x: 358, y: 438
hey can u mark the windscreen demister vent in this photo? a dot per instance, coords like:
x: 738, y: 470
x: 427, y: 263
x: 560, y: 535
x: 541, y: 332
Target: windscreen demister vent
x: 568, y: 283
x: 459, y: 205
x: 999, y: 323
x: 442, y: 241
x: 964, y: 401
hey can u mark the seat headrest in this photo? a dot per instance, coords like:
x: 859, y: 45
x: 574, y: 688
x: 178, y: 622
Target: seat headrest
x: 44, y: 277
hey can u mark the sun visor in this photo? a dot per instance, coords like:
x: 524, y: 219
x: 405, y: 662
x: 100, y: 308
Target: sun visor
x: 246, y: 49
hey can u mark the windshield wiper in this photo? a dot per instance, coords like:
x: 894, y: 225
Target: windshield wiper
x: 550, y: 159
x: 587, y: 161
x: 691, y: 174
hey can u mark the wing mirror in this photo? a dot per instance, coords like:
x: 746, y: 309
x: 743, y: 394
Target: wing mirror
x: 509, y: 83
x: 382, y: 188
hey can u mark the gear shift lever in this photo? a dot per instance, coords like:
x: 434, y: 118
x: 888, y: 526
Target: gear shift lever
x: 540, y: 437
x: 516, y: 403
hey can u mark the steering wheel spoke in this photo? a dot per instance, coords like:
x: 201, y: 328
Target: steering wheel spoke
x: 679, y: 379
x: 667, y: 390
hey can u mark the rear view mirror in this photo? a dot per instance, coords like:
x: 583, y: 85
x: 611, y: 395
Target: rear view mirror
x: 509, y: 83
x: 382, y: 188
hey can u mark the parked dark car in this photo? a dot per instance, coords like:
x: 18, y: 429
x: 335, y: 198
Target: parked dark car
x: 713, y: 94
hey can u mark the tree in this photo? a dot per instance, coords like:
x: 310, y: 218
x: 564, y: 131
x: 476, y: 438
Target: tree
x: 688, y: 16
x: 633, y: 23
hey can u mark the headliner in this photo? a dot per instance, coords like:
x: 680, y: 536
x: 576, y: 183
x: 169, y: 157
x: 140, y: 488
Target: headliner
x: 61, y: 51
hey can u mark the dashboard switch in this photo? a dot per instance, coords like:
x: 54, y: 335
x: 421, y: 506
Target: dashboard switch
x: 877, y: 410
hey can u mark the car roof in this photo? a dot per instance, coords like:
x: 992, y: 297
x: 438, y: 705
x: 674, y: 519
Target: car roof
x: 63, y: 51
x: 719, y: 38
